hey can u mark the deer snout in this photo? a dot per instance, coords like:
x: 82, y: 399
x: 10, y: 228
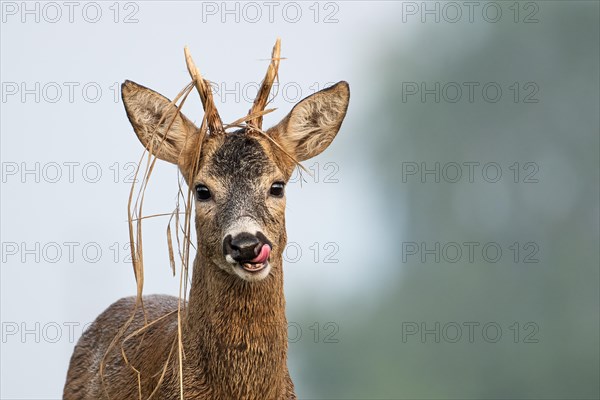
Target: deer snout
x: 245, y: 247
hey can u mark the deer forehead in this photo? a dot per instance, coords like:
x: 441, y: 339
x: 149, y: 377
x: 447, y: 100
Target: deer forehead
x: 241, y: 160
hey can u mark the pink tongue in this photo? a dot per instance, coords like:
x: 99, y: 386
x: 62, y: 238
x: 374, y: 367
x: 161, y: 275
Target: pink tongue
x: 263, y: 256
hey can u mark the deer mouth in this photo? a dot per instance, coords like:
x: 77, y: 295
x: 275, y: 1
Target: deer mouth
x: 253, y: 267
x: 259, y: 262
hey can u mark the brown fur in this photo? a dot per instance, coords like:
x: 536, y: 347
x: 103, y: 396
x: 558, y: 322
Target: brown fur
x: 235, y: 331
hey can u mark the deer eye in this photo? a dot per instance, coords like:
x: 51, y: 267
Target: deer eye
x: 202, y: 193
x: 277, y: 189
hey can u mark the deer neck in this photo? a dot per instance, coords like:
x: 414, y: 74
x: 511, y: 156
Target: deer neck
x: 237, y: 331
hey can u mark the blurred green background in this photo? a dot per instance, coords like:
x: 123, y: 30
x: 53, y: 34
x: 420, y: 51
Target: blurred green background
x: 556, y: 213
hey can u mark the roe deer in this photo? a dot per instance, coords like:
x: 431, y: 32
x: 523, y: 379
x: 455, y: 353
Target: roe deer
x: 234, y: 335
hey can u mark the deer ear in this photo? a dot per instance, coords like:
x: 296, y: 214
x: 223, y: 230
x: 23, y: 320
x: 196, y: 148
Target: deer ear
x: 314, y: 122
x: 145, y: 109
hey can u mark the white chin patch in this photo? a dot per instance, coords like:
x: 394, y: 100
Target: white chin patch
x: 252, y: 276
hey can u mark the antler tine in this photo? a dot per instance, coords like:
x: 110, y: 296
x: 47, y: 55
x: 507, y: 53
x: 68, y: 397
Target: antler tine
x: 203, y: 86
x: 265, y: 88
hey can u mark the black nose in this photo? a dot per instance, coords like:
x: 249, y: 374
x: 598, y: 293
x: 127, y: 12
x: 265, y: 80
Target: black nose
x: 243, y: 247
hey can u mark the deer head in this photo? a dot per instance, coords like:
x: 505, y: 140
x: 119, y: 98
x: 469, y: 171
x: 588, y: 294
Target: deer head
x: 238, y: 177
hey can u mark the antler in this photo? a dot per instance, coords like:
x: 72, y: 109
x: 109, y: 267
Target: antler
x: 265, y: 88
x: 212, y: 116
